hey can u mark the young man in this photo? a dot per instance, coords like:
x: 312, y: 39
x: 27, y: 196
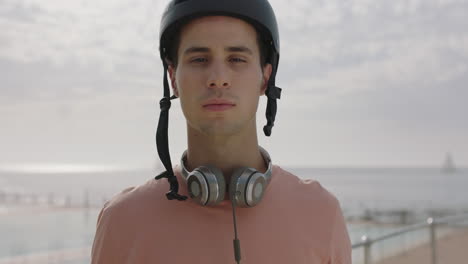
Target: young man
x: 221, y: 56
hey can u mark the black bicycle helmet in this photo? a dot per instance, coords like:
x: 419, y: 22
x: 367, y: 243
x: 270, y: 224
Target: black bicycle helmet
x: 258, y: 13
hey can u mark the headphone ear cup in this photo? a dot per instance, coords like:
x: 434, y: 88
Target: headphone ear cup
x: 249, y: 185
x: 217, y: 185
x: 206, y: 185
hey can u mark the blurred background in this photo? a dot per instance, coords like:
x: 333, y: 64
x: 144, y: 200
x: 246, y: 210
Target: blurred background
x: 374, y: 107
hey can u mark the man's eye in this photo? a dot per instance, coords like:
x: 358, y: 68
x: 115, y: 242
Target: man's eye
x: 199, y: 60
x: 237, y: 60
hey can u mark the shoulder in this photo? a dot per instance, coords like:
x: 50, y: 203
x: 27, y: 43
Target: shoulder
x: 303, y: 188
x: 306, y: 198
x: 124, y: 217
x: 320, y: 210
x: 131, y: 201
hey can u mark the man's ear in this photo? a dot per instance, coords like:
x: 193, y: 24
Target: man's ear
x: 266, y: 77
x: 172, y: 75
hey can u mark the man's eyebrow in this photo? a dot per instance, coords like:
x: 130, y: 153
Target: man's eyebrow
x: 196, y: 49
x: 239, y: 49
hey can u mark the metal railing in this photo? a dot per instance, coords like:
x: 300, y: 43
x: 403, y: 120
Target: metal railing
x: 431, y: 223
x: 50, y: 199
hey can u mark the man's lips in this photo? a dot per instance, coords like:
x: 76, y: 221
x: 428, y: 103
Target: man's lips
x: 218, y: 105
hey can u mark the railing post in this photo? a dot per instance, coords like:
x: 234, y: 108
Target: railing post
x: 86, y: 203
x: 367, y: 245
x: 432, y: 227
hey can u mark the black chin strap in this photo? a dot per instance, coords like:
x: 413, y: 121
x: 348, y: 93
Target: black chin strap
x: 273, y: 92
x: 163, y: 145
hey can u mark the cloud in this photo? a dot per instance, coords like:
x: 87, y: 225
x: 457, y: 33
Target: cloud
x: 374, y: 45
x: 105, y: 33
x: 80, y: 48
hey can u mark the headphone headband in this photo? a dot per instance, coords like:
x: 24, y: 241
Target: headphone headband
x: 265, y: 155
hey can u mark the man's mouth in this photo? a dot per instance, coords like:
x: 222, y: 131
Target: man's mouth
x: 218, y: 105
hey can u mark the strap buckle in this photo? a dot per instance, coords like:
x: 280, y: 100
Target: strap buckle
x: 165, y: 103
x: 274, y: 92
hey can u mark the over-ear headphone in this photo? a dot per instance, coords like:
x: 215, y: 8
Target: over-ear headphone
x: 207, y: 185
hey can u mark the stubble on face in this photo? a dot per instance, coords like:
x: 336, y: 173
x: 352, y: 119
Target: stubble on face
x: 218, y: 123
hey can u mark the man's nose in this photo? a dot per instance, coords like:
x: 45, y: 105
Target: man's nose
x: 219, y: 77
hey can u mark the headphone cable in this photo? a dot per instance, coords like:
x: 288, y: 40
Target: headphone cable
x: 237, y: 251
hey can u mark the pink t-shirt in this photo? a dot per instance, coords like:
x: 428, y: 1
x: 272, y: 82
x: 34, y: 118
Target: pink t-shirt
x: 298, y: 221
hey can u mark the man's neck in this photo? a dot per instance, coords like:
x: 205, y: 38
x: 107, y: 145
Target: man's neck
x: 226, y: 153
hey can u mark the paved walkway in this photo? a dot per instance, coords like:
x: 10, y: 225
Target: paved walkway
x: 451, y: 249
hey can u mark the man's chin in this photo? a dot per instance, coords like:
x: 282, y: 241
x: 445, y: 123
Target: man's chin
x: 220, y: 129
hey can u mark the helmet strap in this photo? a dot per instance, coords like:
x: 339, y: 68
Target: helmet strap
x: 273, y: 92
x: 163, y: 145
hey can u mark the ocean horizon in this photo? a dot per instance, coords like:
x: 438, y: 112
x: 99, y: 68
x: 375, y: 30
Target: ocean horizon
x: 388, y: 188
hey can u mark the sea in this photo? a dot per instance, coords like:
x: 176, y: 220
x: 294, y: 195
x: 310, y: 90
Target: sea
x: 27, y: 233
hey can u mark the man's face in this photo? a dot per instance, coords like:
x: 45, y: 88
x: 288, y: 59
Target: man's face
x: 218, y: 77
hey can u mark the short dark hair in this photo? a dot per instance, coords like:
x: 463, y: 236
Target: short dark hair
x: 173, y: 42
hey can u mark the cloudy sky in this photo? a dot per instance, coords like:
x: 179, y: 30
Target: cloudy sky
x: 365, y: 83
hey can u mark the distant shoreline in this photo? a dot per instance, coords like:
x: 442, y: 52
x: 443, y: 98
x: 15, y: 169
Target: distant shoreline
x: 78, y: 169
